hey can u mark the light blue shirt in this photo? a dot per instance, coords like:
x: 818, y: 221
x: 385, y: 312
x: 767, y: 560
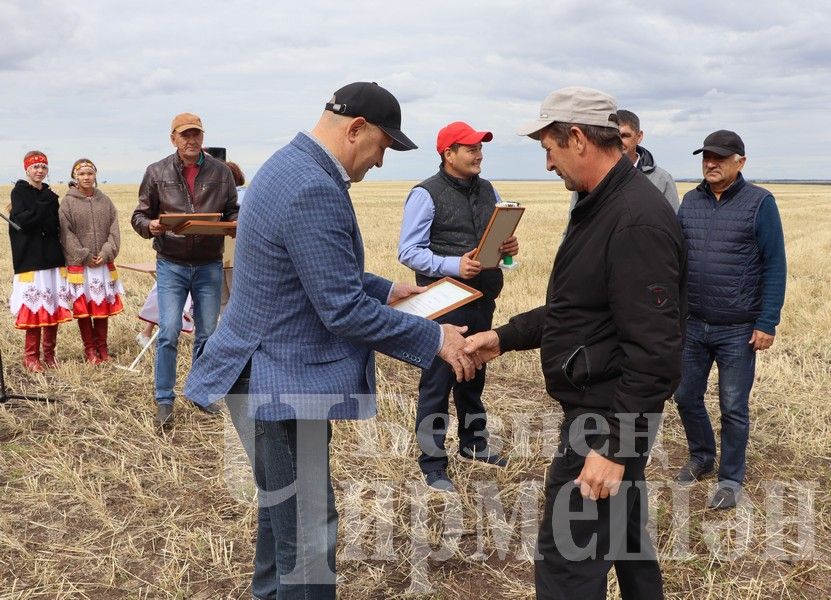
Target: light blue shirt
x: 414, y: 240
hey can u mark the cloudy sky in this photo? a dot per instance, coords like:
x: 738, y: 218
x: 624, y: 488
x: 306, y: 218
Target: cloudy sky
x: 103, y: 79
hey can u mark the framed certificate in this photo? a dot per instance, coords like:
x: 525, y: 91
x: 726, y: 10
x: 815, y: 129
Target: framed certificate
x: 174, y: 219
x: 502, y: 225
x: 194, y: 227
x: 438, y: 299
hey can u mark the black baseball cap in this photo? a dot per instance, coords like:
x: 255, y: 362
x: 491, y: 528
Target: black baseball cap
x: 723, y: 143
x: 376, y: 105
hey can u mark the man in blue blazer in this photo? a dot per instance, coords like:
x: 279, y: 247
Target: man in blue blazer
x: 300, y: 330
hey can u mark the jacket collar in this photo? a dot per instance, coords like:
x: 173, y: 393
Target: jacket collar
x: 467, y: 187
x: 590, y: 202
x: 730, y: 192
x: 76, y: 193
x: 177, y: 160
x: 23, y: 184
x: 308, y: 144
x: 646, y: 163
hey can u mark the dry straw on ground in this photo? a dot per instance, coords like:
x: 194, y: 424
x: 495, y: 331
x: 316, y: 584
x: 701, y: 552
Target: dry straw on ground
x: 95, y: 504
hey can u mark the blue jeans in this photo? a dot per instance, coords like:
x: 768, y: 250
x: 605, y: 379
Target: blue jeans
x: 297, y: 522
x: 173, y: 283
x: 728, y: 346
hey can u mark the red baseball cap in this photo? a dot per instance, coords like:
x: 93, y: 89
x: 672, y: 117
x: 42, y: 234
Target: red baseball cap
x: 460, y: 132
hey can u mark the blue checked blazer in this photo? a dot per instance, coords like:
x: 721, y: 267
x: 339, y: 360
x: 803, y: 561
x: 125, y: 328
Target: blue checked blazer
x: 302, y: 308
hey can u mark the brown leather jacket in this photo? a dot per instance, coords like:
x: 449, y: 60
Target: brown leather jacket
x: 163, y: 189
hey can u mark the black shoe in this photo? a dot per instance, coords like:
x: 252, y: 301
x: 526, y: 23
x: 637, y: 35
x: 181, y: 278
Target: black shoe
x: 438, y: 480
x: 164, y: 416
x: 725, y: 497
x: 211, y: 409
x: 693, y: 471
x: 482, y: 457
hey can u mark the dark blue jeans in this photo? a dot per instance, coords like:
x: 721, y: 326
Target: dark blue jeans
x: 297, y: 521
x: 434, y: 395
x: 728, y: 346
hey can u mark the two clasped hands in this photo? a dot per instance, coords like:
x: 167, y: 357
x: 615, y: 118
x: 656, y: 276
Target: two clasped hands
x: 464, y: 355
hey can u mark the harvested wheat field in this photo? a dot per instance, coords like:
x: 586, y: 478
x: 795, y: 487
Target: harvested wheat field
x: 94, y: 503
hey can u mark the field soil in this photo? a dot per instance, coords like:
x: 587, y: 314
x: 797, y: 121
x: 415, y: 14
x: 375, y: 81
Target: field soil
x: 96, y: 504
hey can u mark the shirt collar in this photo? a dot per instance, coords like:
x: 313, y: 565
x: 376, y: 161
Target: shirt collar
x: 199, y: 161
x: 328, y: 153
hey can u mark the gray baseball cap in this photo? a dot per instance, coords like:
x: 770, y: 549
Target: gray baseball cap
x: 574, y: 104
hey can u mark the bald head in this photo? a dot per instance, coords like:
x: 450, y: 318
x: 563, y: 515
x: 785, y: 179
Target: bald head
x: 356, y: 143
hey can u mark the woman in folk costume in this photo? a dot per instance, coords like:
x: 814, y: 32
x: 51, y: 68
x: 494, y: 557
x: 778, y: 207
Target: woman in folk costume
x: 40, y: 296
x: 91, y: 238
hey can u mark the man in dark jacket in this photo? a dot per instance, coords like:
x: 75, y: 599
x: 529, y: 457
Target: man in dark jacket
x: 187, y: 181
x: 737, y: 288
x: 631, y: 135
x: 610, y: 337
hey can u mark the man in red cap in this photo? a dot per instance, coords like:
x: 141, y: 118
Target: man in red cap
x: 444, y: 219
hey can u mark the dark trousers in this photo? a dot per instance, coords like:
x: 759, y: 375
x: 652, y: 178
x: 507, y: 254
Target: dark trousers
x: 580, y: 539
x: 434, y: 392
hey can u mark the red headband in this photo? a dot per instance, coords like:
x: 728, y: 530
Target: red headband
x: 35, y: 159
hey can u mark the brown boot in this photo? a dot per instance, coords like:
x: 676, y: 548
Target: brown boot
x: 99, y: 328
x: 88, y: 338
x: 31, y: 357
x: 50, y: 337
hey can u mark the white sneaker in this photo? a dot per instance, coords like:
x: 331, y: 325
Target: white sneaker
x: 142, y: 339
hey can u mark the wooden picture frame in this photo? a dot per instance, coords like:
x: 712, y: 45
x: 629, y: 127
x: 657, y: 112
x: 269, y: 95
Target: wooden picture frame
x: 175, y: 219
x: 438, y: 299
x: 196, y: 227
x: 502, y: 225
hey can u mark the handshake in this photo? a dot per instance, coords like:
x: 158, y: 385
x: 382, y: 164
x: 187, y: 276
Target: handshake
x: 466, y: 355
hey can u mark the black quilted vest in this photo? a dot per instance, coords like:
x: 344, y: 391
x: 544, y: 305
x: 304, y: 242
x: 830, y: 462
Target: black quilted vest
x: 462, y: 211
x: 725, y: 264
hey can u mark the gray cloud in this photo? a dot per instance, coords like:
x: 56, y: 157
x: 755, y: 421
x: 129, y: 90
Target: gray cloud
x: 33, y: 34
x: 103, y: 79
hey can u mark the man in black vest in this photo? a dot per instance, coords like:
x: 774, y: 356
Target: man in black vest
x: 736, y: 290
x: 444, y: 219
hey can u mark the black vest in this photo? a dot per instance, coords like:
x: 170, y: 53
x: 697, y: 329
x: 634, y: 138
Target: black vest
x: 462, y: 212
x: 725, y: 264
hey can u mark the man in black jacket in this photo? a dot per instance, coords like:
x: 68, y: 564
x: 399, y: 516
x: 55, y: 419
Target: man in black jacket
x: 610, y: 338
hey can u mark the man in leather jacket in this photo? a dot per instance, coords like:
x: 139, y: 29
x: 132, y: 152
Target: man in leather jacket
x: 187, y: 181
